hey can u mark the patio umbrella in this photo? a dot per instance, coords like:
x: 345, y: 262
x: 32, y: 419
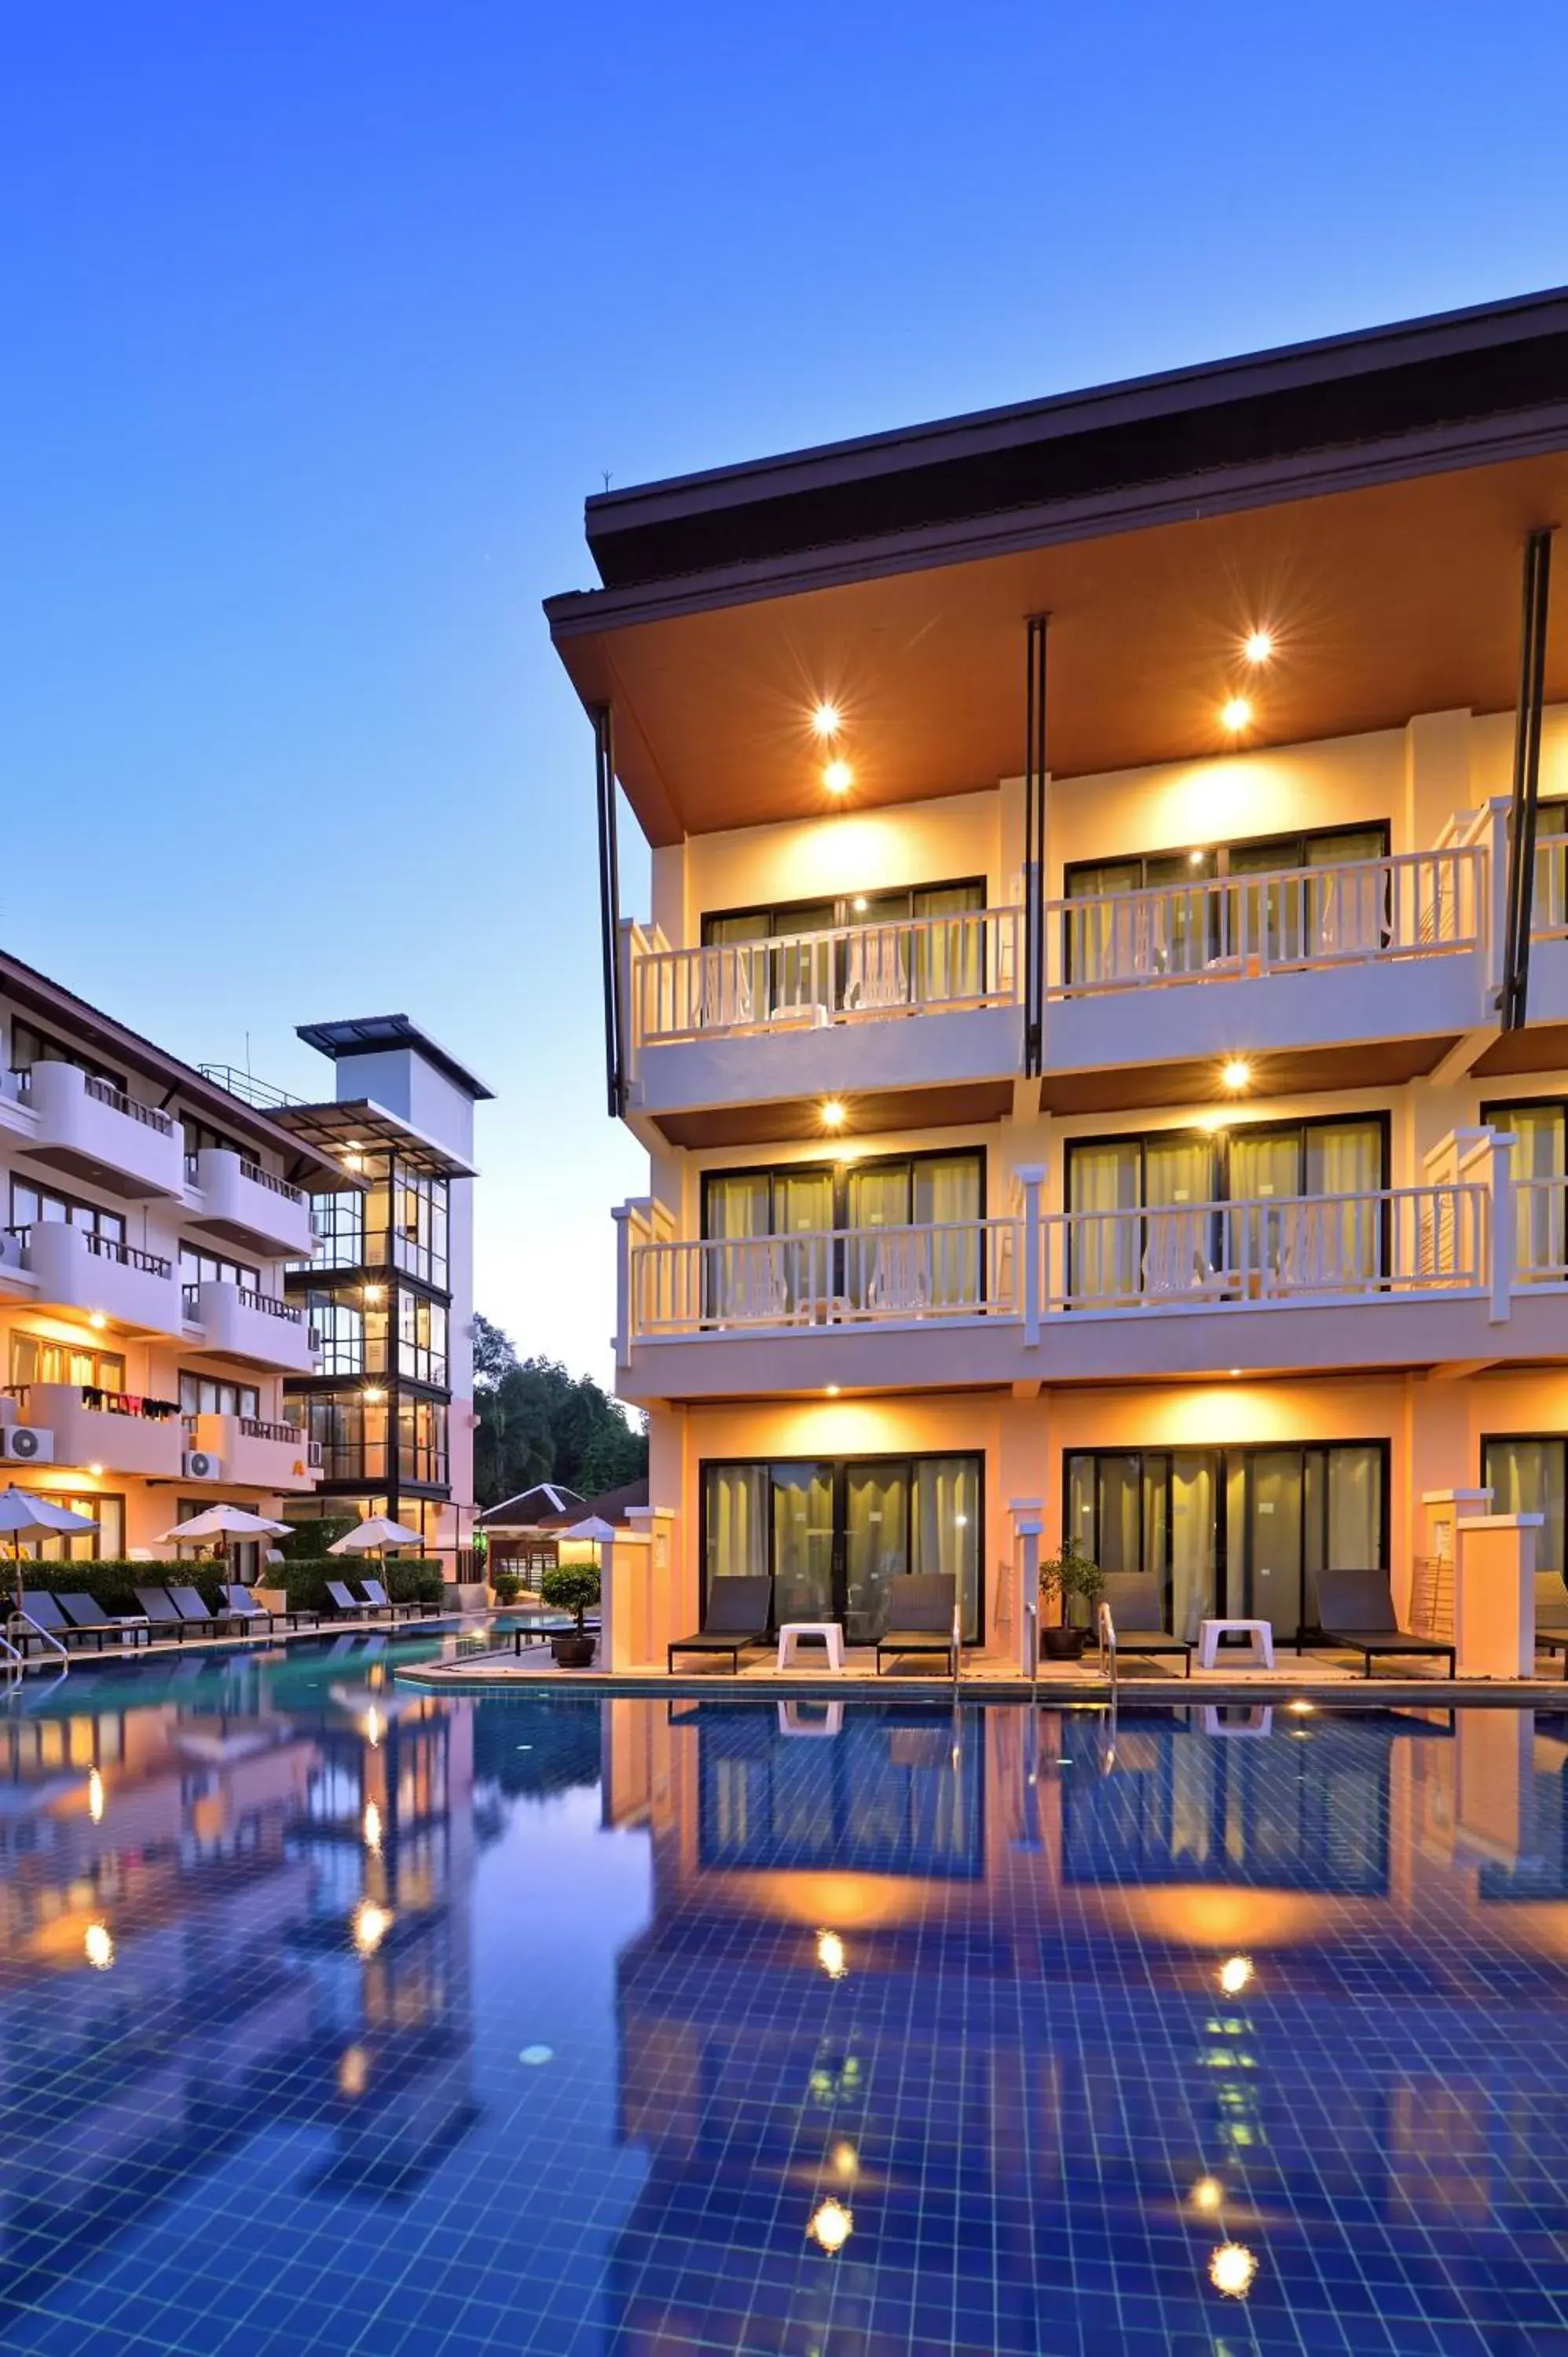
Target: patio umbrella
x: 594, y: 1528
x: 374, y: 1535
x: 23, y: 1509
x: 226, y: 1521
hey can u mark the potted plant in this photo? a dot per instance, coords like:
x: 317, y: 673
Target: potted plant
x: 1064, y: 1577
x: 507, y: 1587
x: 572, y: 1588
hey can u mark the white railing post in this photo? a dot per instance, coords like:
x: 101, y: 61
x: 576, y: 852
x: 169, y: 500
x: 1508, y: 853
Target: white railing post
x: 1031, y: 1180
x: 1027, y: 1530
x: 1493, y: 1166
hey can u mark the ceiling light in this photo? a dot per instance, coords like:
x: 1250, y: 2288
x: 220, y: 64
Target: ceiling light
x: 375, y: 1292
x: 1235, y: 1074
x: 833, y: 1113
x: 832, y: 1391
x: 825, y: 720
x: 1196, y: 858
x: 373, y: 1394
x: 1232, y: 2269
x: 1258, y: 646
x: 1234, y: 1373
x: 860, y: 904
x: 98, y: 1321
x: 1236, y: 715
x: 838, y: 777
x: 96, y: 1472
x: 1235, y: 1974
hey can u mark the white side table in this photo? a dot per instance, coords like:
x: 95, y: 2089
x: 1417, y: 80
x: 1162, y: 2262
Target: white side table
x: 1259, y: 1654
x: 791, y: 1632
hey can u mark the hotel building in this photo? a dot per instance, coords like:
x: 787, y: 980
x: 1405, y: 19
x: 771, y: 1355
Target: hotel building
x: 1100, y: 1034
x: 145, y: 1327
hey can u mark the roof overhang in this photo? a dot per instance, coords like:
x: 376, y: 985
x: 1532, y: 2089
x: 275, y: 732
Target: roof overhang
x: 1366, y: 500
x: 368, y: 1035
x: 337, y: 1131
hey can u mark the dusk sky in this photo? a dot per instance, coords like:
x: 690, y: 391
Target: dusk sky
x: 320, y: 322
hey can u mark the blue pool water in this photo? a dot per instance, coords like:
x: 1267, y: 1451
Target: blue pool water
x: 340, y: 2017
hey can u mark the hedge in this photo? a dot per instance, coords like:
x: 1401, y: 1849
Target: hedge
x: 114, y: 1582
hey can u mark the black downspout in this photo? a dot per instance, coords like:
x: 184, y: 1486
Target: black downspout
x: 1525, y: 804
x: 609, y: 907
x: 1034, y: 846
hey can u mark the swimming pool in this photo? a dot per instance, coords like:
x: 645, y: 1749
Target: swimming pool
x: 341, y: 2015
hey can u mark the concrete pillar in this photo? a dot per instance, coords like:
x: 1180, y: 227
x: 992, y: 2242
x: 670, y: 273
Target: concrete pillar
x: 624, y: 1600
x: 1494, y: 1594
x: 658, y: 1628
x: 1026, y: 1529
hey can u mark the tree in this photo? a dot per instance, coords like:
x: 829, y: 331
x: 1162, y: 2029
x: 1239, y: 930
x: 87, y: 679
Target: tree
x: 539, y: 1423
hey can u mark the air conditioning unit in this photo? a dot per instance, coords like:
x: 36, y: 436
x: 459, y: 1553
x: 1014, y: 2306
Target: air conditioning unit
x: 200, y: 1465
x: 10, y: 1250
x: 27, y: 1444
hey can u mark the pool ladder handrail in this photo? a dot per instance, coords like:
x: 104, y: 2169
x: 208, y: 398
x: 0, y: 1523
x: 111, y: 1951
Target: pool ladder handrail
x: 1105, y: 1633
x: 17, y: 1655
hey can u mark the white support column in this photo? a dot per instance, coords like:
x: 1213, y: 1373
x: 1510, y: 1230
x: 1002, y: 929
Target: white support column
x: 1027, y: 1526
x: 1494, y: 1594
x: 1488, y: 1162
x: 1031, y: 1180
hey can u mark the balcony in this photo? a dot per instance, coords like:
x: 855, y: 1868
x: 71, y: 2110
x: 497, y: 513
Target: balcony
x: 247, y: 1206
x: 135, y: 1292
x: 92, y: 1131
x: 927, y: 1003
x: 259, y: 1329
x: 1387, y: 951
x: 255, y: 1454
x: 113, y: 1432
x: 1393, y: 1277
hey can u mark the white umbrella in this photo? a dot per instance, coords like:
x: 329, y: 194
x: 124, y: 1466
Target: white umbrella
x: 374, y: 1536
x: 226, y: 1521
x: 24, y: 1510
x: 594, y: 1528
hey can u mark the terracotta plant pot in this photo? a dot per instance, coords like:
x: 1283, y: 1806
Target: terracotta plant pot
x: 1063, y: 1644
x: 572, y: 1652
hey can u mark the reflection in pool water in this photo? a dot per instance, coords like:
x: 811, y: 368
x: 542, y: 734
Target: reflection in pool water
x: 339, y: 2016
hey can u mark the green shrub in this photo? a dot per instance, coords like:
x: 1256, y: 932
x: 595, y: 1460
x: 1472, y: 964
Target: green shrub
x: 304, y: 1583
x: 571, y: 1588
x: 308, y: 1542
x: 508, y: 1586
x: 114, y: 1582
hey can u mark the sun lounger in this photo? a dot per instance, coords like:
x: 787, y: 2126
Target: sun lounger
x: 1137, y: 1615
x: 921, y: 1608
x: 245, y: 1608
x: 411, y: 1604
x: 158, y: 1605
x: 191, y: 1606
x: 87, y: 1616
x: 737, y: 1617
x: 1355, y: 1609
x: 347, y: 1606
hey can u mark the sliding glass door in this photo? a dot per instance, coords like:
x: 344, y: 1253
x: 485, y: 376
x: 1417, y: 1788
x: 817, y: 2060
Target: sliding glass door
x: 835, y: 1536
x: 847, y: 1265
x: 1231, y: 1532
x: 1540, y: 1169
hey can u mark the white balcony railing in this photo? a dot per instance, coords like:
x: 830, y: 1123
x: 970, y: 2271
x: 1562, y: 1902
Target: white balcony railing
x: 926, y: 965
x: 1389, y: 1240
x: 1541, y: 1231
x: 963, y: 1268
x: 1414, y: 904
x: 1549, y: 917
x: 1338, y: 1247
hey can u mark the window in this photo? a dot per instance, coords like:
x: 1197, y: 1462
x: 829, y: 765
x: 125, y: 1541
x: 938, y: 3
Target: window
x: 107, y: 1544
x: 352, y: 1433
x: 833, y: 1211
x: 1182, y: 1239
x: 340, y: 1225
x: 1528, y: 1474
x: 1551, y: 911
x: 30, y: 1047
x: 1238, y: 1532
x: 31, y: 1205
x: 421, y: 1441
x: 1191, y: 927
x: 352, y: 1326
x: 201, y: 1268
x: 927, y: 962
x: 201, y: 1139
x: 419, y: 1230
x: 1539, y: 1171
x: 209, y: 1395
x: 421, y: 1337
x: 832, y: 1537
x: 41, y: 1359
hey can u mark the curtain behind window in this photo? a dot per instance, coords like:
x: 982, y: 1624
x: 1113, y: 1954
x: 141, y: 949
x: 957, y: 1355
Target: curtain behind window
x: 736, y: 1522
x: 1104, y: 1250
x: 1540, y: 1212
x: 946, y: 1534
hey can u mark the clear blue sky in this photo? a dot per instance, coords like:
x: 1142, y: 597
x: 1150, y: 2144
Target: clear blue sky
x: 320, y: 320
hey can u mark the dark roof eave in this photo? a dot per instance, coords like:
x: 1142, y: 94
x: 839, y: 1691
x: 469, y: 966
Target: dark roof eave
x: 582, y: 613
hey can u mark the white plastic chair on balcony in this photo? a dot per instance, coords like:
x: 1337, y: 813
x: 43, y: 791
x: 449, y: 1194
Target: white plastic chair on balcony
x: 1319, y: 1248
x: 725, y: 998
x: 1177, y: 1257
x: 876, y: 977
x: 751, y: 1290
x: 900, y: 1283
x: 1138, y: 943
